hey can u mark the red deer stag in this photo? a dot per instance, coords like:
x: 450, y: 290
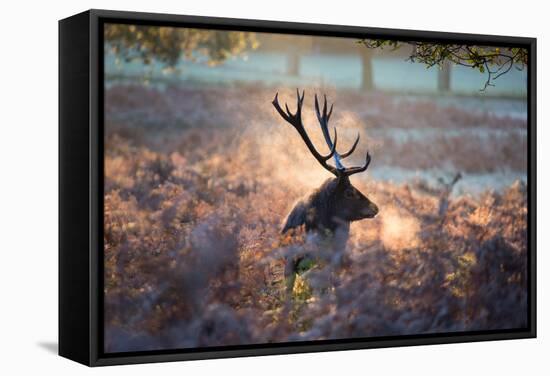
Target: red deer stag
x: 331, y: 208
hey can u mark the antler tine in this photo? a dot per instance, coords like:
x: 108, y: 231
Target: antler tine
x: 317, y: 109
x: 352, y: 149
x: 325, y: 108
x: 299, y: 102
x: 300, y: 98
x: 354, y: 170
x: 324, y: 128
x: 333, y: 148
x: 323, y: 122
x: 288, y: 111
x: 296, y: 121
x: 275, y: 103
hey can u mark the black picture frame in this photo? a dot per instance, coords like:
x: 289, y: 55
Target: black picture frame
x: 81, y: 187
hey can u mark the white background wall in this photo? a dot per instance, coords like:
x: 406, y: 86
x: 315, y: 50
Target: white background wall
x: 28, y: 188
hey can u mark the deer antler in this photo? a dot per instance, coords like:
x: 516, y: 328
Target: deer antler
x: 296, y: 121
x: 323, y: 121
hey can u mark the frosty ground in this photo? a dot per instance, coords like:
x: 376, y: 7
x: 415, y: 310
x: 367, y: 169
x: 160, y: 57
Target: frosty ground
x: 197, y: 183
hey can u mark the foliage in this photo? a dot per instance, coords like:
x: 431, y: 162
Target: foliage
x: 493, y: 61
x: 192, y: 244
x: 169, y: 44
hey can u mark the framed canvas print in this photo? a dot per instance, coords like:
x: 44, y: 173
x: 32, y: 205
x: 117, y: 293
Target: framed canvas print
x: 238, y: 187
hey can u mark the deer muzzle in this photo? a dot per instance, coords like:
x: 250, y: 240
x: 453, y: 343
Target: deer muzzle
x: 371, y: 211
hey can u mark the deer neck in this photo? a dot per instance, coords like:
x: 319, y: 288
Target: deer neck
x: 325, y: 217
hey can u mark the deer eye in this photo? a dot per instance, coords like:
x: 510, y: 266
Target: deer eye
x: 349, y: 193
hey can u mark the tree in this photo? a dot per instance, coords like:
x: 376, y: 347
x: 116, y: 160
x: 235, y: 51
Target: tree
x: 170, y: 44
x: 493, y: 61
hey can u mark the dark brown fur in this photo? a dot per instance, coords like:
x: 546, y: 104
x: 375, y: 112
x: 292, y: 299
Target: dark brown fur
x: 332, y: 206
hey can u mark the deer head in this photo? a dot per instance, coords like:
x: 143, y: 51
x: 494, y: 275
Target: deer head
x: 337, y: 202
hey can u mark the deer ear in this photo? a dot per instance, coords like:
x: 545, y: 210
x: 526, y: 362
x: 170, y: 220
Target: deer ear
x: 295, y: 218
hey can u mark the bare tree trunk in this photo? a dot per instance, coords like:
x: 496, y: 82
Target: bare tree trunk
x: 293, y: 63
x: 366, y: 65
x: 444, y: 77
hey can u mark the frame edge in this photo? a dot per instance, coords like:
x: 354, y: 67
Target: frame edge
x: 74, y: 277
